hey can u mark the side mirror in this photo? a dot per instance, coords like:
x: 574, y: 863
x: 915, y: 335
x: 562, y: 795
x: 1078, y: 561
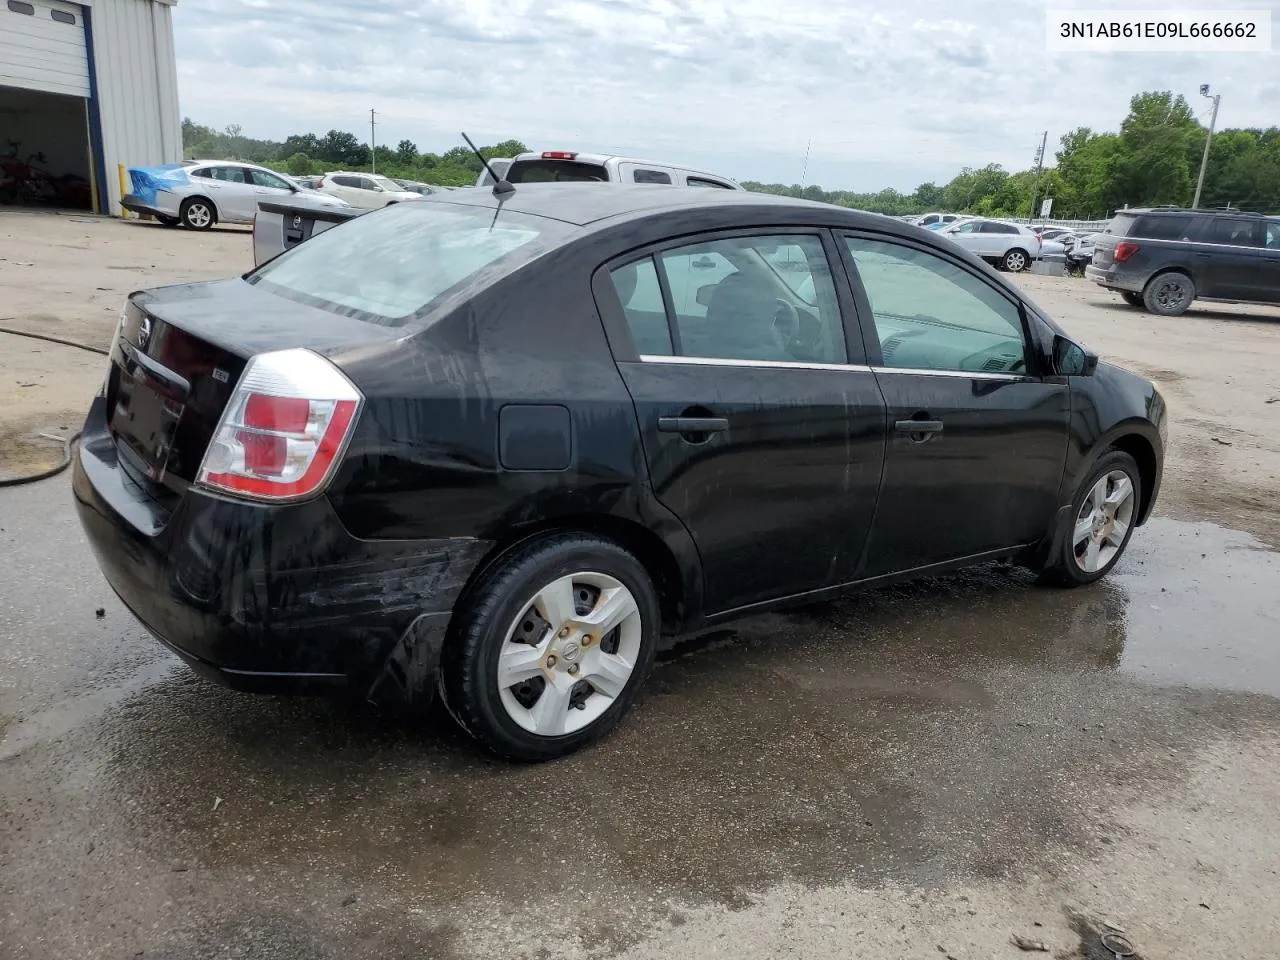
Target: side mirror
x: 1072, y: 360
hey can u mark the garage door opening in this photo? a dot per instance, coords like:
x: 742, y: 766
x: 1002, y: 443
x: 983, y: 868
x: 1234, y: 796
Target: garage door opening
x: 44, y: 150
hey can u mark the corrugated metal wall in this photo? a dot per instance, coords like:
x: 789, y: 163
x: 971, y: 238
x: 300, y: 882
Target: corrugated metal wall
x: 136, y: 86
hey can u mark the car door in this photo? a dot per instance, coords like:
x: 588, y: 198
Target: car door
x: 977, y: 438
x: 237, y: 203
x: 1269, y: 263
x: 1228, y: 255
x: 269, y: 186
x: 968, y: 235
x: 347, y: 187
x: 759, y: 433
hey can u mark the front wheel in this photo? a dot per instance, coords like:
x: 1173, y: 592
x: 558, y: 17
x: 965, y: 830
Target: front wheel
x: 1015, y: 261
x: 550, y: 648
x: 1104, y: 513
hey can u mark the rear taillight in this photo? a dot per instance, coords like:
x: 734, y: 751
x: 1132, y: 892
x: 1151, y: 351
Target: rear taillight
x: 1124, y: 250
x: 318, y: 184
x: 284, y: 428
x: 558, y: 155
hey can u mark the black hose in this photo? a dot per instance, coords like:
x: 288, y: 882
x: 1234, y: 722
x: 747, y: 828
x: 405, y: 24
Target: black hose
x: 66, y: 441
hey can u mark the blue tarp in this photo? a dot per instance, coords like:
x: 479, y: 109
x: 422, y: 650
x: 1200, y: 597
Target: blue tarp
x: 147, y: 180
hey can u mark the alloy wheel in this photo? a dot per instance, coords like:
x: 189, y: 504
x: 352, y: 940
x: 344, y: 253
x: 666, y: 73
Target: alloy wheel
x: 199, y: 215
x: 569, y: 654
x: 1170, y: 293
x: 1103, y: 521
x: 1015, y: 261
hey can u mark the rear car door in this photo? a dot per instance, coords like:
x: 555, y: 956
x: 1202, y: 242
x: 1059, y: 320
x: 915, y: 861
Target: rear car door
x: 347, y: 187
x: 235, y: 195
x: 759, y: 433
x: 1228, y: 255
x: 977, y: 439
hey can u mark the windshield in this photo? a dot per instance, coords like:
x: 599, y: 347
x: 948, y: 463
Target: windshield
x: 555, y: 171
x: 387, y: 266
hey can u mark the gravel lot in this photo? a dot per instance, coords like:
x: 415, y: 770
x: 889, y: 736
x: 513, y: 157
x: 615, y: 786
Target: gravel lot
x: 922, y: 771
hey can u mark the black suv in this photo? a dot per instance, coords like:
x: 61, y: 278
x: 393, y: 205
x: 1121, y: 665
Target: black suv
x: 1164, y: 258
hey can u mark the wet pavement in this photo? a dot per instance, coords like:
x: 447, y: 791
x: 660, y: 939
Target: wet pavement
x: 967, y: 729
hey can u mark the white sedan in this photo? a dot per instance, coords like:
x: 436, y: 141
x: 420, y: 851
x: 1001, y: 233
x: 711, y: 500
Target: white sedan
x: 198, y: 194
x: 1010, y: 246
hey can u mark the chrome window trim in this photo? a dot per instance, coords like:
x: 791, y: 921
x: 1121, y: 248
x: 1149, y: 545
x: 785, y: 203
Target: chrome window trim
x: 966, y: 374
x: 767, y: 364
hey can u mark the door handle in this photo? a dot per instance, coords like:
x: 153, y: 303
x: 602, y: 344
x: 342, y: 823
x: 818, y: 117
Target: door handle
x: 692, y: 424
x: 918, y: 430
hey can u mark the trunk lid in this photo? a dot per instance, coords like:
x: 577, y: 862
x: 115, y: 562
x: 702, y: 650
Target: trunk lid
x: 178, y: 355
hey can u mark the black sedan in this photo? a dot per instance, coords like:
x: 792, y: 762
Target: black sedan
x: 502, y: 445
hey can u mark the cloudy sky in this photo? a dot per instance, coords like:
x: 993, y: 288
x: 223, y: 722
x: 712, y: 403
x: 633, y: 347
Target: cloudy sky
x: 888, y: 94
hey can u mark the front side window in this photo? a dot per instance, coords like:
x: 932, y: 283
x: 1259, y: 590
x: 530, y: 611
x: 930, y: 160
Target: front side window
x: 931, y: 314
x: 264, y: 178
x: 972, y: 226
x: 385, y: 269
x: 766, y: 298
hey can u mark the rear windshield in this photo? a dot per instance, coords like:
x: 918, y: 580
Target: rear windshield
x: 1119, y: 225
x: 388, y: 266
x: 555, y: 171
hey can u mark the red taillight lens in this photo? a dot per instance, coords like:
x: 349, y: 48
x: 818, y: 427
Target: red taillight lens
x: 283, y: 429
x: 558, y: 155
x: 1124, y: 250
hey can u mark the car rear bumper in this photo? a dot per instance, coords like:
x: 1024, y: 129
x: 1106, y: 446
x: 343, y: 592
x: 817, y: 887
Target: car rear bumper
x: 1114, y: 278
x: 136, y: 204
x: 264, y: 597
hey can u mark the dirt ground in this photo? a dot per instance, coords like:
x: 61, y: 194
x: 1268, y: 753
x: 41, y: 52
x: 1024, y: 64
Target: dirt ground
x: 922, y: 771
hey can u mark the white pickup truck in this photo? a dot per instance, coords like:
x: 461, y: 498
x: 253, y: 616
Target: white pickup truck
x: 560, y: 166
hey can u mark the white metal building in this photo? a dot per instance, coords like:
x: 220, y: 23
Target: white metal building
x: 90, y: 85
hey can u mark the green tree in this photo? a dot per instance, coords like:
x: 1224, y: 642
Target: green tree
x: 299, y: 165
x: 407, y: 153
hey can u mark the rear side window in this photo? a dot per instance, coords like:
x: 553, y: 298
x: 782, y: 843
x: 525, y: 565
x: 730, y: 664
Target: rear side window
x: 1173, y: 227
x: 1272, y: 241
x: 637, y: 287
x: 704, y: 182
x: 651, y: 176
x: 555, y: 171
x: 346, y: 181
x: 228, y: 174
x: 1120, y: 225
x: 1229, y: 232
x: 387, y: 268
x: 764, y: 298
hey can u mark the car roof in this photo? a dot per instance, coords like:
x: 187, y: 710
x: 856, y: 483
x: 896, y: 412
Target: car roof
x: 582, y: 204
x: 1199, y: 211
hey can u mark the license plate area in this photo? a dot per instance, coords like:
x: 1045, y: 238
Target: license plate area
x: 144, y: 422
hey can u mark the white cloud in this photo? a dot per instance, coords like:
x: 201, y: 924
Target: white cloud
x: 889, y: 97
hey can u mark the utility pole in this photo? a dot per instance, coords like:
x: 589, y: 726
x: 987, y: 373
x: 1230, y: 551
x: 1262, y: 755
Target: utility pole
x: 805, y: 172
x: 373, y: 146
x: 1208, y: 141
x: 1035, y: 184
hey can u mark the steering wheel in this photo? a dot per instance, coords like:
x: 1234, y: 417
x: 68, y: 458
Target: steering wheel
x: 799, y: 338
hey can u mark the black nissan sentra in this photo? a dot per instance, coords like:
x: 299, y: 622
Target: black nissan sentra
x: 504, y: 445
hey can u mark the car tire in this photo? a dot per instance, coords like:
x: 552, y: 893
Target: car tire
x: 1132, y: 299
x: 512, y: 625
x: 197, y: 213
x: 167, y: 221
x: 1169, y: 294
x: 1091, y: 544
x: 1015, y: 260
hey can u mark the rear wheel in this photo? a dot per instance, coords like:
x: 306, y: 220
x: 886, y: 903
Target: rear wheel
x: 1169, y: 294
x: 1131, y: 298
x: 1015, y: 260
x: 549, y: 650
x: 1104, y: 513
x: 197, y: 213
